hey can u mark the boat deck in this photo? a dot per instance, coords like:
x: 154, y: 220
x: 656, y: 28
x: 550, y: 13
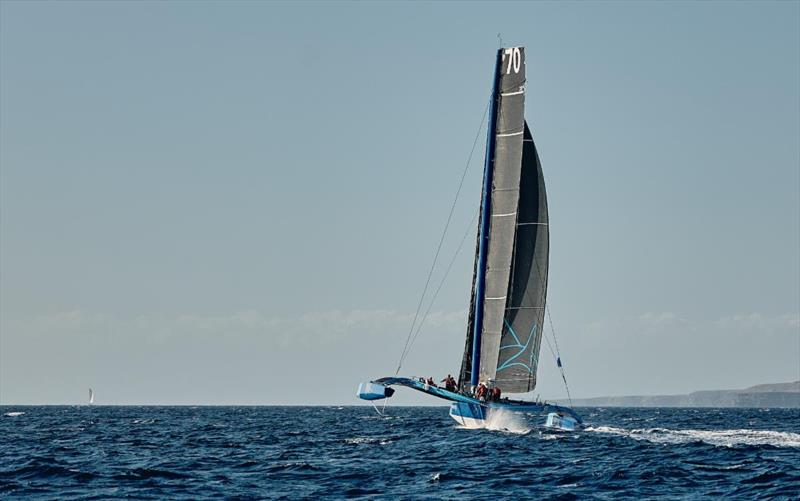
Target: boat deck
x: 418, y: 384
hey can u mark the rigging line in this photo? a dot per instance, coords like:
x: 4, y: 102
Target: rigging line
x: 377, y: 410
x: 547, y: 339
x: 441, y: 283
x: 560, y: 365
x: 557, y: 353
x: 441, y: 240
x: 557, y: 357
x: 555, y: 339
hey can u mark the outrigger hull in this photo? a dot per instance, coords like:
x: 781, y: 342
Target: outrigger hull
x: 465, y: 410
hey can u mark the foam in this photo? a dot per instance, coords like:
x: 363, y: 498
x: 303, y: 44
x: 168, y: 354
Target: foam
x: 367, y: 440
x: 725, y: 438
x: 507, y: 421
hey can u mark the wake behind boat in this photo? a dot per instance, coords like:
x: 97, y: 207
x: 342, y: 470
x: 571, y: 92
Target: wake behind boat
x: 509, y: 286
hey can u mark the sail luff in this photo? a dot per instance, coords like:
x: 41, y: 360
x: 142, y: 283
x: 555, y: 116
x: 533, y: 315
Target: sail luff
x: 479, y: 294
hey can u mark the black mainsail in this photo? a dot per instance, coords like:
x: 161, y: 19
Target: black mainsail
x: 510, y: 273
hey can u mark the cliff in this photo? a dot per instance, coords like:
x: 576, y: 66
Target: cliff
x: 786, y: 395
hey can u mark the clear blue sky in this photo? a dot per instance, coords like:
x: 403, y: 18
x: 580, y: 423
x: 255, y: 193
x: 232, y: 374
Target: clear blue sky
x: 204, y: 202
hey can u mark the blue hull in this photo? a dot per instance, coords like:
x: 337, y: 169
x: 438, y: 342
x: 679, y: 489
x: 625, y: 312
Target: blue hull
x: 475, y: 415
x: 466, y: 410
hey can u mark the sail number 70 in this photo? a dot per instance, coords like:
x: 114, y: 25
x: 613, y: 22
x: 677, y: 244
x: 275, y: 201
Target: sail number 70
x: 514, y: 59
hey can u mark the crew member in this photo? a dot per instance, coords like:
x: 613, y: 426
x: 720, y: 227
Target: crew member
x: 480, y: 392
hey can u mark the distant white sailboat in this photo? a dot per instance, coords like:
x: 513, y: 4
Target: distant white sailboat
x: 91, y: 396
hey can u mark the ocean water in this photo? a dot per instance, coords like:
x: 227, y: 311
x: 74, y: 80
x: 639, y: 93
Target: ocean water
x: 101, y: 452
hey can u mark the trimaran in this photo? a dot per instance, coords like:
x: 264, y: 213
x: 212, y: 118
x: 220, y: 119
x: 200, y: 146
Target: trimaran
x: 509, y: 286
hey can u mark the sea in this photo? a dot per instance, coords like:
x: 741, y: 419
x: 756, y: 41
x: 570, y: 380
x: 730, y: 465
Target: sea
x: 112, y: 452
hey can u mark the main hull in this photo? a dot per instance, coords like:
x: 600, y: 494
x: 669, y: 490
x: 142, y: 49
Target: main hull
x: 471, y: 416
x: 481, y: 415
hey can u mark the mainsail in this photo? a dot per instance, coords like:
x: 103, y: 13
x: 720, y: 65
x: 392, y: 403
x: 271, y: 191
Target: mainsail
x: 510, y: 272
x: 91, y: 396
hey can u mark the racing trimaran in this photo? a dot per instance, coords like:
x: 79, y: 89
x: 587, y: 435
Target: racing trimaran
x: 509, y: 286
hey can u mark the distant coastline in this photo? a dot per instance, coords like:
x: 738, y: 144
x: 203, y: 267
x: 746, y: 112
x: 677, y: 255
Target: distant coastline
x: 779, y: 395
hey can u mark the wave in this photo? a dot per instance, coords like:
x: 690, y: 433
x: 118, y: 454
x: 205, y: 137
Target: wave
x: 14, y: 414
x: 144, y: 421
x: 724, y: 438
x: 367, y: 440
x: 152, y: 473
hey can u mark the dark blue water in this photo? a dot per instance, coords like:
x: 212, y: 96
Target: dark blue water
x: 292, y: 452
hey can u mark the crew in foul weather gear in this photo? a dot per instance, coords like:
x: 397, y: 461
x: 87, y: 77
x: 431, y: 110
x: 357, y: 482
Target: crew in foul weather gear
x: 449, y: 383
x: 480, y: 392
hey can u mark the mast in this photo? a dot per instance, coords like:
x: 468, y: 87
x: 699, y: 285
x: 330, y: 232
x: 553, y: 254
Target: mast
x: 483, y: 238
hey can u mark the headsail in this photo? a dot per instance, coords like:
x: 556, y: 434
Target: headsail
x: 509, y: 289
x: 527, y: 289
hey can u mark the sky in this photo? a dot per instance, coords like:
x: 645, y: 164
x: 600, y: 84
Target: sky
x: 238, y: 203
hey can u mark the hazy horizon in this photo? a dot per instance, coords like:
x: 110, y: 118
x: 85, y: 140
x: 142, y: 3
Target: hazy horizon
x: 238, y: 203
x: 356, y: 403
